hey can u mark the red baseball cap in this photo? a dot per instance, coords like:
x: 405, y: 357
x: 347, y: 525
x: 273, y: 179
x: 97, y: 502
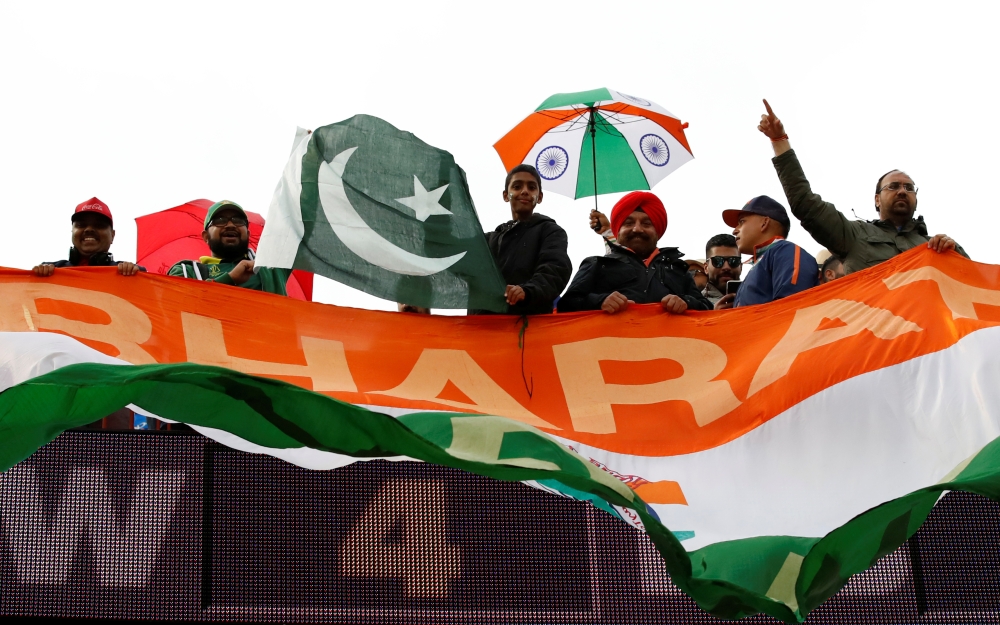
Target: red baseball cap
x: 93, y: 205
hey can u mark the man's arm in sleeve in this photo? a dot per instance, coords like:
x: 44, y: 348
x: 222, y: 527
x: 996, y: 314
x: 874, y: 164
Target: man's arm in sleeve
x: 553, y: 268
x: 792, y: 270
x: 580, y: 295
x: 694, y: 298
x: 831, y: 228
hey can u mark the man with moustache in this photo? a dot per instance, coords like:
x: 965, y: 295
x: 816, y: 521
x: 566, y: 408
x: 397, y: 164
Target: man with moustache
x: 722, y: 264
x: 530, y: 249
x: 92, y: 235
x: 860, y: 244
x: 635, y: 271
x: 228, y: 237
x: 780, y: 268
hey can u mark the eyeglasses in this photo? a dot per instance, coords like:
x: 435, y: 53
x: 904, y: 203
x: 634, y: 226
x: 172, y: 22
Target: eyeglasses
x: 236, y: 220
x: 719, y: 261
x: 909, y: 187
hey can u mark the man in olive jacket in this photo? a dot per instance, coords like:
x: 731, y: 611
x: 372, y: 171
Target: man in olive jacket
x: 530, y: 249
x: 861, y: 244
x: 635, y: 271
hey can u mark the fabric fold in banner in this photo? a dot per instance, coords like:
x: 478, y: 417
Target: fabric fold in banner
x: 860, y: 401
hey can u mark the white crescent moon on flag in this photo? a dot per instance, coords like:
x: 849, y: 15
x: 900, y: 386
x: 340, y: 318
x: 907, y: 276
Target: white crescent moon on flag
x: 358, y: 236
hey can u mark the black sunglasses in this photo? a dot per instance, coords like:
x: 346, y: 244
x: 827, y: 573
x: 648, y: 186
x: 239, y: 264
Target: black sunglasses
x: 719, y: 261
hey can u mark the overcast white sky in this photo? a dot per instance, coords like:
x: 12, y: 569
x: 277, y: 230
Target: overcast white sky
x: 149, y: 105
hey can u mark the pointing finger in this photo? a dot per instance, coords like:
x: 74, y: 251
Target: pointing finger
x: 768, y: 107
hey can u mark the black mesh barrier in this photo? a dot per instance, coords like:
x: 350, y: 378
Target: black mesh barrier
x: 175, y: 527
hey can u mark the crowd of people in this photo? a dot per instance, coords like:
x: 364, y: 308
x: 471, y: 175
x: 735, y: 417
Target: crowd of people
x: 531, y: 249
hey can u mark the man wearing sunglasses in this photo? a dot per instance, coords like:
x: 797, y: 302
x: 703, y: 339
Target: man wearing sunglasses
x: 723, y: 264
x: 861, y: 244
x: 227, y: 234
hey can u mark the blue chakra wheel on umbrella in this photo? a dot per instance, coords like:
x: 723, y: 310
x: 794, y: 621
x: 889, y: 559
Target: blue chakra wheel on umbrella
x: 552, y: 162
x: 655, y: 149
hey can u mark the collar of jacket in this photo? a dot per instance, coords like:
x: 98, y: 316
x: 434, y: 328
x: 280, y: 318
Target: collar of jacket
x: 534, y: 220
x: 759, y: 250
x: 914, y: 224
x: 97, y: 260
x: 212, y: 260
x: 667, y: 254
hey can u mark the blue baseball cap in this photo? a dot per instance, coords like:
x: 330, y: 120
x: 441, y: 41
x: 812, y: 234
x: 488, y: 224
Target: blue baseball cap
x: 760, y: 205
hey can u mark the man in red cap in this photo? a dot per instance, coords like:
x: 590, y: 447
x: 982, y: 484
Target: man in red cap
x: 92, y: 235
x: 635, y: 271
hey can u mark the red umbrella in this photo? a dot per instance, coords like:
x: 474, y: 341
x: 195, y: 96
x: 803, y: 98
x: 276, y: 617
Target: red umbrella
x: 175, y: 234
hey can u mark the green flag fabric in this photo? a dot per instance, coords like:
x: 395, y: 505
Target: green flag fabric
x: 376, y: 208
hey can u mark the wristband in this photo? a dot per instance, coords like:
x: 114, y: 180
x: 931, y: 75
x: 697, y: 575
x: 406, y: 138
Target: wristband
x: 781, y: 138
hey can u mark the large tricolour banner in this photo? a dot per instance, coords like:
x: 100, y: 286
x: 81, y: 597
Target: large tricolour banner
x: 770, y: 452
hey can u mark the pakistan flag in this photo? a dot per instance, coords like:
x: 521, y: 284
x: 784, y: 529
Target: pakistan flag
x: 366, y: 204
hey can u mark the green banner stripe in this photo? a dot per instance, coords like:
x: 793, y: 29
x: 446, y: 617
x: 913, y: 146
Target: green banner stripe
x: 785, y: 577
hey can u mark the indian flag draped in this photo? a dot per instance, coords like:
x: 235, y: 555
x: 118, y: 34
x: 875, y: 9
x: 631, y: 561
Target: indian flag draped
x: 767, y: 465
x: 376, y: 208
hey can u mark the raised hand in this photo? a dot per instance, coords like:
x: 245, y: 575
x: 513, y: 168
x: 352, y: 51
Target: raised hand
x: 771, y: 126
x: 599, y: 222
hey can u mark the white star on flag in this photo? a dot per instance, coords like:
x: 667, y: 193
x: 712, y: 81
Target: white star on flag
x: 424, y: 203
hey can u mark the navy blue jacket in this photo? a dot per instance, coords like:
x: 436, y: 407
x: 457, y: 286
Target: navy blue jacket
x: 781, y: 270
x: 621, y: 270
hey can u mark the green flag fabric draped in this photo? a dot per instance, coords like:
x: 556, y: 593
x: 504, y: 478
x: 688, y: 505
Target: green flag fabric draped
x: 376, y: 208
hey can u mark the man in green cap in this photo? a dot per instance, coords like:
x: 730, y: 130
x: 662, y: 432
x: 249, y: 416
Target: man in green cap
x: 227, y: 234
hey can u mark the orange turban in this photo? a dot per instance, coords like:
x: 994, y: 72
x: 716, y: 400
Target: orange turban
x: 639, y: 200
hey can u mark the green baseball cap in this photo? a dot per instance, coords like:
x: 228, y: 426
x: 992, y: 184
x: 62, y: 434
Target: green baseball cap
x: 214, y: 208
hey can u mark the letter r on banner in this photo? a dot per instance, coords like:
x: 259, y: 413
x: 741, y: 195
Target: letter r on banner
x: 590, y: 398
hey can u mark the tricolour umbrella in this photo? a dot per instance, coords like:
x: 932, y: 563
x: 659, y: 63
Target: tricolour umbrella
x: 630, y: 142
x: 174, y: 234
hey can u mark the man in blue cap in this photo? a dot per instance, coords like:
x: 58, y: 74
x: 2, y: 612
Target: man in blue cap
x: 227, y: 233
x: 780, y: 268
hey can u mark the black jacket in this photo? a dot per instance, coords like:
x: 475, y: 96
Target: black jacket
x: 623, y: 271
x: 531, y: 254
x: 103, y: 259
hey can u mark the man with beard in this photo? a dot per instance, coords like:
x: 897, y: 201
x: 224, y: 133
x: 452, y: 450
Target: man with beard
x: 228, y: 236
x: 723, y: 263
x: 635, y: 271
x: 92, y: 235
x: 860, y: 244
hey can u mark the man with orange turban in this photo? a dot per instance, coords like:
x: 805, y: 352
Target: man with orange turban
x: 635, y: 271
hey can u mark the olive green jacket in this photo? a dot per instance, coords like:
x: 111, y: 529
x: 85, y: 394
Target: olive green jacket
x: 861, y: 244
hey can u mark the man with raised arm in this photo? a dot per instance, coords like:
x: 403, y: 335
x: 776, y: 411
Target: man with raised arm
x: 635, y: 270
x: 861, y: 244
x: 227, y: 234
x: 92, y: 235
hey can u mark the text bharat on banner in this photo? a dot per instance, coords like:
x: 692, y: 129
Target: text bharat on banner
x: 376, y: 208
